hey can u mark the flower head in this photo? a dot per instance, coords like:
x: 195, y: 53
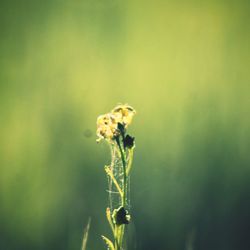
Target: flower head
x: 106, y: 127
x: 108, y: 124
x: 124, y: 114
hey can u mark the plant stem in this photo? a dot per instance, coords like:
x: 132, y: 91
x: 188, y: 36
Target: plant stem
x: 124, y: 197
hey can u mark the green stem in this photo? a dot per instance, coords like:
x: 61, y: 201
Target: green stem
x: 124, y: 197
x: 124, y: 173
x: 116, y: 238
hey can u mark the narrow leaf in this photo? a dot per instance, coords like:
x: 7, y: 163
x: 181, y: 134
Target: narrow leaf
x: 109, y: 243
x: 108, y: 215
x: 110, y: 173
x: 85, y: 235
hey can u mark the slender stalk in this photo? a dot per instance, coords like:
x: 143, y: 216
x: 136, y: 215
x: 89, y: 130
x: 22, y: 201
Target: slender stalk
x: 124, y: 197
x: 116, y: 238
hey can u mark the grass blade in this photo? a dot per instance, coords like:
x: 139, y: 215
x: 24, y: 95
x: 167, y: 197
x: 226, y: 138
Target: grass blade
x: 85, y: 235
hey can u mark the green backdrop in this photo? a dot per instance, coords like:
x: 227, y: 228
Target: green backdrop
x: 183, y: 65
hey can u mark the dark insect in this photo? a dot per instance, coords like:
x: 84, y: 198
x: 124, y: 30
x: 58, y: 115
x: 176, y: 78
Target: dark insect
x: 128, y: 141
x: 121, y: 216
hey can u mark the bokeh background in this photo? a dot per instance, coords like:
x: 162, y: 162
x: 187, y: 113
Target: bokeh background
x: 184, y: 66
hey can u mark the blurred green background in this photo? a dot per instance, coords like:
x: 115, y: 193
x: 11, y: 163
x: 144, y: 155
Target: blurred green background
x: 183, y: 65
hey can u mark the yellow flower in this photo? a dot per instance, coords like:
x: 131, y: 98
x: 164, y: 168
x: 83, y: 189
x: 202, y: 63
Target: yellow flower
x: 124, y: 114
x: 107, y: 124
x: 106, y: 127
